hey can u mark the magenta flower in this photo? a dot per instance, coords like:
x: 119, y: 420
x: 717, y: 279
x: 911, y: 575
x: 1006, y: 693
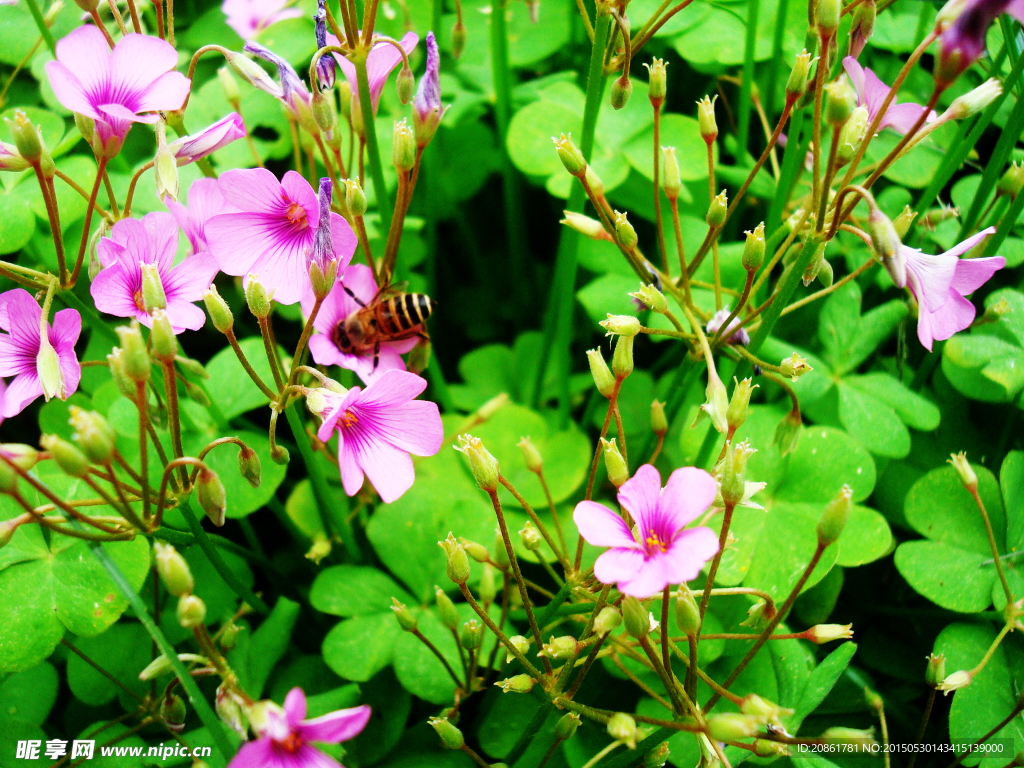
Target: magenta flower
x: 666, y: 552
x: 285, y: 734
x: 871, y: 93
x: 190, y: 148
x: 114, y: 87
x: 117, y: 289
x: 330, y: 321
x: 738, y: 336
x: 250, y: 17
x: 381, y: 62
x: 47, y: 368
x: 204, y: 202
x: 272, y: 233
x: 963, y: 41
x: 940, y: 283
x: 378, y: 427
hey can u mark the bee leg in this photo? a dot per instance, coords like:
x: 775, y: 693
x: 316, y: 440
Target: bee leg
x: 354, y: 298
x: 376, y: 355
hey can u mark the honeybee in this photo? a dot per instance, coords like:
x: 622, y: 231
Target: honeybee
x: 391, y: 315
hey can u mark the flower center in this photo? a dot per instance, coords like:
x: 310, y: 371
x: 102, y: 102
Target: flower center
x: 292, y: 742
x: 653, y: 542
x: 295, y: 214
x: 349, y: 420
x: 139, y: 302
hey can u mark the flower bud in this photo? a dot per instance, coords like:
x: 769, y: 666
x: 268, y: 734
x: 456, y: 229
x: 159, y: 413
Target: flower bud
x: 220, y: 312
x: 257, y: 298
x: 964, y: 471
x: 9, y: 527
x: 736, y: 414
x: 997, y: 310
x: 671, y: 182
x: 173, y: 712
x: 165, y: 171
x: 476, y: 551
x: 622, y: 727
x: 658, y: 756
x: 72, y: 462
x: 531, y: 455
x: 826, y: 633
x: 530, y: 537
x: 840, y: 102
x: 251, y: 72
x: 1011, y: 182
x: 403, y: 147
x: 657, y: 81
x: 446, y: 609
x: 566, y: 726
x: 560, y: 648
x: 622, y: 89
x: 833, y: 519
x: 851, y: 136
x: 734, y: 468
x: 734, y: 726
x: 618, y: 472
x: 570, y: 155
x: 862, y: 26
x: 323, y: 112
x: 451, y: 737
x: 607, y: 620
x: 936, y: 671
x: 622, y: 358
x: 279, y: 455
x: 94, y: 435
x: 769, y: 748
x: 886, y: 243
x: 211, y: 496
x: 229, y: 86
x: 787, y: 432
x: 249, y: 466
x: 652, y: 298
x: 706, y: 119
x: 191, y: 611
x: 516, y: 684
x: 483, y: 464
x: 659, y: 422
x: 797, y: 83
x: 753, y: 249
x: 586, y: 226
x: 902, y: 222
x: 355, y: 198
x: 500, y: 553
x: 828, y: 16
x: 164, y: 342
x: 794, y: 366
x: 20, y: 455
x: 458, y: 562
x: 621, y: 325
x: 134, y: 358
x: 405, y: 617
x: 717, y: 210
x: 458, y: 39
x: 520, y: 643
x: 687, y: 613
x: 974, y: 101
x: 161, y: 666
x: 488, y: 590
x: 472, y: 636
x: 603, y: 378
x: 717, y: 404
x: 406, y: 84
x: 850, y: 736
x: 636, y: 618
x: 26, y: 137
x: 624, y: 231
x: 956, y: 681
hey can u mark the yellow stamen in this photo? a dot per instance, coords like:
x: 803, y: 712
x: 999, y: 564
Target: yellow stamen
x: 653, y: 541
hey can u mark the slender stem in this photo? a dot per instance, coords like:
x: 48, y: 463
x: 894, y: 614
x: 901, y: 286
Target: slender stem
x: 44, y: 30
x: 832, y: 288
x: 53, y: 214
x: 131, y: 187
x: 118, y: 19
x: 723, y: 537
x: 554, y: 511
x: 158, y: 8
x: 268, y: 346
x: 370, y: 137
x: 439, y: 655
x: 924, y: 724
x: 714, y: 241
x: 894, y: 153
x: 992, y: 543
x: 531, y: 670
x: 640, y: 40
x: 717, y: 339
x: 173, y: 420
x: 300, y: 348
x: 98, y: 22
x: 995, y: 729
x: 665, y: 673
x: 658, y: 224
x: 830, y: 168
x: 244, y: 361
x: 819, y: 83
x: 556, y: 551
x: 170, y: 21
x: 684, y: 273
x: 747, y: 84
x: 136, y: 24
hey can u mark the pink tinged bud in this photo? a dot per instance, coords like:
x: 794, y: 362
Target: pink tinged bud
x: 587, y: 226
x: 10, y: 160
x: 826, y: 633
x: 9, y: 527
x: 249, y: 466
x: 211, y: 496
x: 22, y: 456
x: 190, y: 148
x: 862, y: 27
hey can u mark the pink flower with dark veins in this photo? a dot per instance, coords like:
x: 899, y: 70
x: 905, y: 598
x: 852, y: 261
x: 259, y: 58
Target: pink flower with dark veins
x: 117, y: 289
x: 381, y: 62
x: 116, y: 87
x: 284, y: 735
x: 204, y: 202
x: 871, y: 93
x: 667, y: 552
x: 250, y: 17
x: 40, y: 367
x: 330, y: 322
x: 271, y: 234
x: 377, y: 428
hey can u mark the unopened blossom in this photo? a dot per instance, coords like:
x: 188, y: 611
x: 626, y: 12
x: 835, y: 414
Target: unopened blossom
x: 195, y: 146
x: 377, y: 428
x: 940, y: 283
x: 663, y: 551
x: 40, y: 367
x: 963, y: 39
x: 250, y: 17
x: 11, y: 159
x: 293, y: 94
x: 427, y: 109
x: 284, y: 734
x: 736, y: 335
x: 330, y: 324
x: 380, y: 63
x: 871, y: 93
x: 116, y: 87
x: 272, y: 231
x: 326, y: 70
x: 117, y: 289
x: 204, y: 202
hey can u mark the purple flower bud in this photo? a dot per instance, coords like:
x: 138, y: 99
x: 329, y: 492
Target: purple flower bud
x: 427, y: 108
x: 322, y: 263
x: 291, y: 84
x: 963, y: 41
x: 325, y: 67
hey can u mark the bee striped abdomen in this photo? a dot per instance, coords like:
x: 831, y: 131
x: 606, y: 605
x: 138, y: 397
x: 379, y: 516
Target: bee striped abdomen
x: 399, y: 314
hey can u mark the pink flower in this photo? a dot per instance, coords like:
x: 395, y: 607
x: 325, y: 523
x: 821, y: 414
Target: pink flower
x: 114, y: 87
x: 31, y: 362
x: 330, y: 322
x: 963, y: 41
x: 117, y: 289
x: 250, y: 17
x: 871, y: 93
x: 940, y: 283
x: 378, y: 427
x: 383, y: 59
x: 737, y: 336
x: 285, y: 735
x: 666, y: 553
x: 204, y: 202
x: 190, y: 148
x: 272, y: 234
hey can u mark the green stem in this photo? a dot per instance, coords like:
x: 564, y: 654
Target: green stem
x: 380, y: 191
x: 1006, y: 224
x: 44, y: 30
x: 743, y: 127
x: 783, y: 293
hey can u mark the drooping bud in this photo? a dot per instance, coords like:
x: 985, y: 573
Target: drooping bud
x: 833, y: 519
x: 769, y: 748
x: 161, y: 666
x: 530, y: 537
x: 20, y: 455
x: 51, y: 375
x: 706, y: 119
x: 964, y: 471
x: 322, y: 110
x: 531, y: 455
x: 687, y: 612
x: 173, y: 712
x: 827, y: 16
x: 862, y: 26
x: 622, y: 89
x: 787, y: 432
x: 607, y: 620
x: 570, y: 155
x: 325, y: 65
x: 636, y: 618
x: 840, y: 103
x: 752, y: 704
x: 458, y: 562
x: 257, y: 298
x: 165, y: 167
x: 252, y: 73
x: 191, y: 611
x: 652, y: 298
x: 671, y: 181
x: 887, y: 245
x: 602, y: 374
x: 249, y: 466
x: 211, y: 495
x: 483, y: 464
x: 717, y: 210
x: 618, y: 472
x: 174, y: 571
x: 734, y: 726
x: 220, y: 312
x: 476, y: 551
x: 446, y: 609
x: 1011, y: 182
x: 516, y: 684
x: 622, y: 727
x: 826, y: 633
x: 954, y: 682
x: 566, y: 726
x: 586, y: 226
x: 69, y: 458
x: 458, y: 39
x: 403, y: 147
x: 797, y: 83
x: 451, y: 737
x: 406, y: 619
x: 794, y: 366
x: 657, y: 81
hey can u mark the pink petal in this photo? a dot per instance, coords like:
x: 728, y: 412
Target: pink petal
x: 902, y: 117
x: 113, y: 292
x: 295, y: 187
x: 282, y: 269
x: 954, y: 316
x: 20, y: 392
x: 388, y: 468
x: 344, y: 240
x: 190, y: 279
x: 67, y: 326
x: 856, y: 74
x: 618, y: 565
x: 388, y: 359
x: 639, y: 495
x: 351, y: 471
x: 601, y: 527
x: 971, y: 274
x: 875, y: 92
x: 688, y: 493
x: 168, y: 92
x: 688, y: 553
x: 66, y: 87
x: 308, y: 756
x: 251, y: 189
x: 255, y: 754
x: 414, y: 427
x: 325, y: 353
x: 392, y: 389
x: 139, y: 60
x: 85, y: 53
x: 967, y: 245
x: 22, y: 315
x: 295, y: 706
x: 182, y: 315
x: 338, y: 726
x: 929, y: 277
x: 162, y: 233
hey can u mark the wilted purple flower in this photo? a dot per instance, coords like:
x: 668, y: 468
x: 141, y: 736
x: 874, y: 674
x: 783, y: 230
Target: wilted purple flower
x: 271, y: 234
x: 190, y: 148
x: 114, y: 87
x: 427, y: 108
x: 47, y: 368
x: 294, y: 93
x: 963, y: 41
x: 284, y: 735
x: 325, y: 66
x: 380, y: 63
x: 738, y: 335
x: 871, y: 93
x: 667, y: 552
x: 117, y: 289
x: 249, y: 17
